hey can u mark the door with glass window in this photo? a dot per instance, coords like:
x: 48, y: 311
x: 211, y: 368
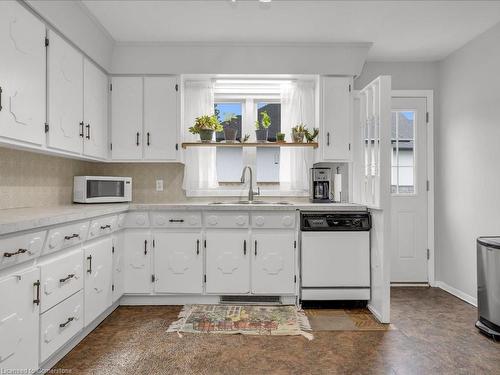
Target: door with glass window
x: 409, y: 191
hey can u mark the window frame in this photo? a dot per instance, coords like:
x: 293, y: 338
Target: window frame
x: 396, y: 140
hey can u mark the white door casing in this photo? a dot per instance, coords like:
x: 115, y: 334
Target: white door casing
x: 178, y: 260
x: 22, y: 74
x: 65, y: 101
x: 227, y: 261
x: 273, y: 262
x: 409, y: 214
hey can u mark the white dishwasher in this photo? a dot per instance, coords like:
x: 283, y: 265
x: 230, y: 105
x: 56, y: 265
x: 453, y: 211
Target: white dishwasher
x: 335, y: 255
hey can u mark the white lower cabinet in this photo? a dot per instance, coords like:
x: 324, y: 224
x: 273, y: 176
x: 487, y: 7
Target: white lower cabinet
x: 273, y: 262
x: 98, y: 271
x: 178, y: 262
x: 60, y: 277
x: 60, y: 324
x: 137, y: 261
x: 19, y: 320
x: 118, y: 267
x: 227, y: 261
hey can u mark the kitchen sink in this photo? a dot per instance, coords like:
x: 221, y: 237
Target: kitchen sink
x: 251, y: 202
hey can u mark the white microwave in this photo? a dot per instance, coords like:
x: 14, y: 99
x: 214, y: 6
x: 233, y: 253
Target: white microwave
x: 100, y: 189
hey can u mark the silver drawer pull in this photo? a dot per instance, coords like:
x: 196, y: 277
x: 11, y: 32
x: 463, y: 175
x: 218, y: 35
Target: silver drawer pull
x: 70, y: 276
x: 70, y: 319
x: 74, y: 235
x: 20, y: 251
x: 176, y: 220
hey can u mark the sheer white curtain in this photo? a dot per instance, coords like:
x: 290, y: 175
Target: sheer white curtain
x: 200, y: 162
x: 297, y: 106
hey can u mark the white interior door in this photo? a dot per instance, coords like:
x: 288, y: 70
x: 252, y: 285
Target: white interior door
x: 22, y: 74
x: 160, y: 118
x: 65, y: 81
x: 95, y: 111
x: 409, y: 190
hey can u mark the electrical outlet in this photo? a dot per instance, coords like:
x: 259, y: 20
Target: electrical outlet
x: 159, y: 185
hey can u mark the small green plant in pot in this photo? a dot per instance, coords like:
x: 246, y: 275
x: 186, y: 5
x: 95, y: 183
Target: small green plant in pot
x: 311, y: 135
x: 280, y: 137
x: 298, y: 133
x: 205, y: 126
x: 262, y: 126
x: 230, y: 131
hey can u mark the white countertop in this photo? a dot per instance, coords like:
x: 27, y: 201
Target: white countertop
x: 22, y: 219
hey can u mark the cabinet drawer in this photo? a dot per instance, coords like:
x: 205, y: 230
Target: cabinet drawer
x: 226, y: 220
x: 69, y: 235
x: 20, y: 248
x: 176, y: 219
x: 102, y: 226
x: 60, y: 324
x: 273, y: 220
x: 60, y: 278
x: 136, y: 220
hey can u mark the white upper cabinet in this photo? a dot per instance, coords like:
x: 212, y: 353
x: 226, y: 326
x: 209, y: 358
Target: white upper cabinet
x: 95, y: 111
x: 65, y: 81
x: 22, y: 74
x: 126, y: 118
x: 336, y: 117
x: 160, y: 118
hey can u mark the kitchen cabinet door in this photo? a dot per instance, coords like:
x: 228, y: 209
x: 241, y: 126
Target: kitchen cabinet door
x: 273, y: 262
x: 98, y: 276
x: 118, y: 267
x: 178, y: 260
x: 19, y: 316
x: 137, y: 261
x: 335, y: 129
x: 65, y: 88
x: 126, y: 118
x: 95, y: 111
x: 227, y: 262
x: 161, y: 118
x: 22, y: 74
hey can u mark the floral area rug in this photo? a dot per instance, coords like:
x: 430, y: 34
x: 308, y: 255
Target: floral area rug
x: 243, y: 319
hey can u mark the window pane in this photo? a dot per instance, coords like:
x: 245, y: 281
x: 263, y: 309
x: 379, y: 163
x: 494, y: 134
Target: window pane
x: 229, y: 160
x: 229, y: 115
x: 403, y: 153
x: 274, y: 112
x: 268, y: 159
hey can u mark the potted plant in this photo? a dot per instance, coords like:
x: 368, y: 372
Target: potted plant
x: 280, y: 137
x: 311, y: 135
x: 245, y: 138
x: 298, y: 133
x: 262, y: 127
x: 205, y: 126
x: 230, y: 132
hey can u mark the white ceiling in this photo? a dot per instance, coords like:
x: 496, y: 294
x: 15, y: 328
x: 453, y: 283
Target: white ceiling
x: 400, y: 30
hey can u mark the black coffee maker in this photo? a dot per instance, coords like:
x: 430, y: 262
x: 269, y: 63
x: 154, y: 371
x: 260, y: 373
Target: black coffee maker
x: 320, y: 185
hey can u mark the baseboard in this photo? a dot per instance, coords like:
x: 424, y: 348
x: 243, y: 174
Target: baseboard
x: 375, y: 313
x: 457, y: 293
x: 418, y: 285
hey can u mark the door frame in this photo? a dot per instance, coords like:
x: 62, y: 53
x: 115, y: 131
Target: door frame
x: 428, y: 95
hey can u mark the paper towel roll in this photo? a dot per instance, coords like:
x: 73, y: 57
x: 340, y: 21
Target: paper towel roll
x: 337, y: 187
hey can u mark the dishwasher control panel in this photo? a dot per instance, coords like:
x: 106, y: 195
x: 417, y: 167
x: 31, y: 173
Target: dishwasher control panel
x: 335, y: 221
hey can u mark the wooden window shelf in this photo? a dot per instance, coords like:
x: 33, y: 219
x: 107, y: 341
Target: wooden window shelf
x: 248, y: 144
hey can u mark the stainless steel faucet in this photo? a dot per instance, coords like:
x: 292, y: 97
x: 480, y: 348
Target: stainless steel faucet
x: 251, y: 193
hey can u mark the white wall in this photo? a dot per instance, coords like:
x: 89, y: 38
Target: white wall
x: 467, y: 158
x: 224, y: 58
x: 77, y: 24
